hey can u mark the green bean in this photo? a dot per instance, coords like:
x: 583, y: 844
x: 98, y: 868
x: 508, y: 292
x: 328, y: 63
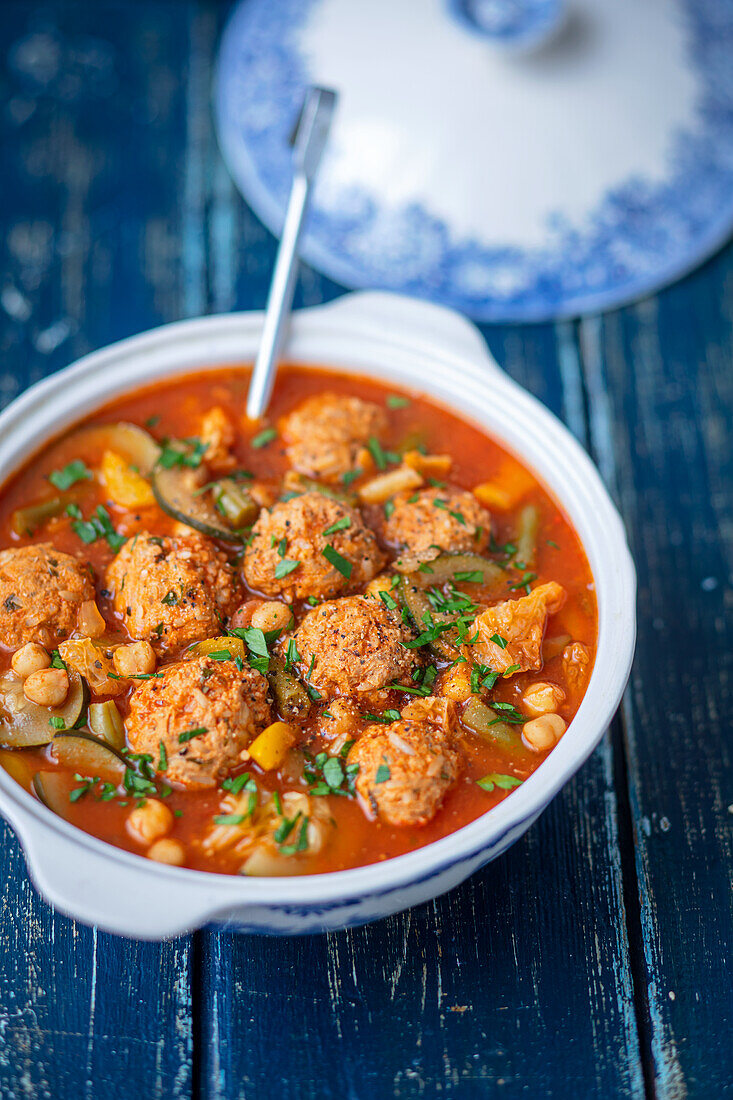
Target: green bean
x: 526, y: 537
x: 25, y: 520
x: 486, y: 724
x: 291, y: 697
x: 235, y: 503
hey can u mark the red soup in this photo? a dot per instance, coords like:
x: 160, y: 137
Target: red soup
x: 298, y: 646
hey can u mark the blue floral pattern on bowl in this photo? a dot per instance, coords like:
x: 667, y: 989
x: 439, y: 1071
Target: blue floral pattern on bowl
x: 642, y: 235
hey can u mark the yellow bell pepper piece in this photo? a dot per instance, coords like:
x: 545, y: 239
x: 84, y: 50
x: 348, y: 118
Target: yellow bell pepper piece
x: 224, y: 644
x: 428, y: 465
x: 271, y: 747
x: 125, y: 485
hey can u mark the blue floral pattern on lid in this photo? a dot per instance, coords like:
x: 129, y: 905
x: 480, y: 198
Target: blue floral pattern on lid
x: 642, y: 235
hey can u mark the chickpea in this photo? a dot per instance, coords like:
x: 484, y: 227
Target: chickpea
x: 167, y: 850
x: 48, y: 687
x: 90, y: 621
x: 149, y: 822
x: 272, y: 615
x: 30, y: 658
x: 543, y: 698
x: 137, y: 659
x: 544, y: 732
x: 456, y: 684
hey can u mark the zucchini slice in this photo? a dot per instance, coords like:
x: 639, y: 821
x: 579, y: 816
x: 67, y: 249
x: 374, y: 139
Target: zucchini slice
x: 52, y: 789
x: 88, y: 754
x: 486, y: 723
x: 135, y: 445
x: 176, y: 492
x: 445, y: 567
x: 24, y: 724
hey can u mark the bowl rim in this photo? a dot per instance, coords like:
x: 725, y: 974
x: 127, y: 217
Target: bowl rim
x: 384, y: 329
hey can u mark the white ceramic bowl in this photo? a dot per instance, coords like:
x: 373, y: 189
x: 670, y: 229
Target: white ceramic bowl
x: 410, y: 343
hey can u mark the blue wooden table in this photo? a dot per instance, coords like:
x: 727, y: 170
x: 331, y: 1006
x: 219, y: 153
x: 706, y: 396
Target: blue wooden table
x: 594, y: 959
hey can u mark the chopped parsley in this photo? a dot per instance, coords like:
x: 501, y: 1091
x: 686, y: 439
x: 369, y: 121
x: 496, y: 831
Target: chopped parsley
x: 498, y: 640
x: 351, y: 476
x: 230, y: 819
x: 377, y: 453
x: 395, y: 401
x: 301, y: 843
x: 284, y: 567
x: 337, y: 560
x: 239, y: 783
x: 509, y: 714
x: 482, y: 678
x: 385, y: 718
x: 524, y: 583
x: 472, y: 576
x: 56, y: 722
x: 339, y: 525
x: 188, y: 735
x: 97, y: 527
x: 387, y: 600
x: 329, y: 775
x: 185, y: 452
x: 383, y: 774
x: 263, y: 438
x: 256, y: 642
x: 220, y: 655
x: 75, y: 471
x: 503, y: 782
x: 163, y: 757
x: 291, y: 654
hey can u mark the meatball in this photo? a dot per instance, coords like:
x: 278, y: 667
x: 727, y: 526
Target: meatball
x: 229, y: 707
x: 354, y: 646
x: 406, y: 768
x: 310, y: 546
x: 172, y: 591
x: 432, y: 520
x: 41, y: 591
x: 326, y: 433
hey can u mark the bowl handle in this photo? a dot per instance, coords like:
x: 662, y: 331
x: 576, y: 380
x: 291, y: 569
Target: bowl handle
x: 413, y: 321
x: 148, y: 902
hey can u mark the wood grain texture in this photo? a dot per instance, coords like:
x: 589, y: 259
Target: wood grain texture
x: 93, y: 122
x: 660, y: 387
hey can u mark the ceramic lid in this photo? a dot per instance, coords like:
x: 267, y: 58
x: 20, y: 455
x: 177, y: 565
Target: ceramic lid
x: 509, y: 185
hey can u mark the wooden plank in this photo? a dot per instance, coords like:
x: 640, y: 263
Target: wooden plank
x: 660, y: 386
x: 94, y: 112
x: 518, y: 983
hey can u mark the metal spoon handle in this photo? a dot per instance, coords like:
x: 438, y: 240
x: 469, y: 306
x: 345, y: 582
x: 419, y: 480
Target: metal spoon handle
x: 309, y: 140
